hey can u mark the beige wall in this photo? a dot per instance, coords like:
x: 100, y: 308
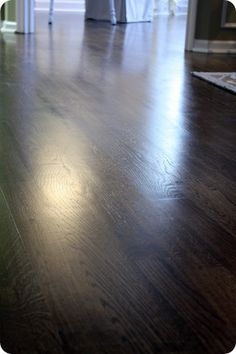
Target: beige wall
x: 8, y: 11
x: 11, y: 10
x: 2, y: 12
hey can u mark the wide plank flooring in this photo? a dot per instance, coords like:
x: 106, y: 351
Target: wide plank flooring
x: 117, y: 192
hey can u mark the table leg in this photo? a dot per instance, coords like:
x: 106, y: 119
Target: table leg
x: 51, y: 10
x: 113, y: 12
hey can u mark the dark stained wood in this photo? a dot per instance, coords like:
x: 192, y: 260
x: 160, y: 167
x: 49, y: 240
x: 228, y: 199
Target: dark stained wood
x: 117, y: 192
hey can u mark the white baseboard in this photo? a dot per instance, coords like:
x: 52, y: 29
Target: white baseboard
x: 156, y: 14
x: 8, y: 27
x: 162, y: 13
x: 205, y: 46
x: 59, y: 10
x: 61, y: 5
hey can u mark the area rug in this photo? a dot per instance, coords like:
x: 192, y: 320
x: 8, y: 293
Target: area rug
x: 226, y: 81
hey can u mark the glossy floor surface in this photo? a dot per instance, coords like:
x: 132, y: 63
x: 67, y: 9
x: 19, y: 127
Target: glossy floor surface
x: 117, y: 192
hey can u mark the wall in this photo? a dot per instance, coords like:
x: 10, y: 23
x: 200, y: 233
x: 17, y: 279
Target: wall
x: 8, y: 16
x: 2, y: 13
x: 208, y: 25
x: 11, y: 11
x: 8, y: 11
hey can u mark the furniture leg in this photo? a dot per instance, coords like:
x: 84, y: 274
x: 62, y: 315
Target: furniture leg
x: 51, y: 10
x: 113, y: 12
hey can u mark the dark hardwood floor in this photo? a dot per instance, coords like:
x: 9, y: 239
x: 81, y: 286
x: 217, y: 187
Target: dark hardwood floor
x: 117, y: 192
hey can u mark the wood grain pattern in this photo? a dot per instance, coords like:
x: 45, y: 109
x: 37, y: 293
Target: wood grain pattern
x: 117, y: 193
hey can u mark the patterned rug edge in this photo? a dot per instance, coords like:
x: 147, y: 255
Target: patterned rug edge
x: 206, y: 76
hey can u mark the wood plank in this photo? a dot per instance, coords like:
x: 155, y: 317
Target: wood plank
x: 117, y: 193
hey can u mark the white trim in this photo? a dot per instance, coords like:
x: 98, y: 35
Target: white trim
x: 205, y: 46
x: 165, y: 13
x: 224, y: 23
x: 2, y: 2
x: 8, y: 27
x: 43, y: 9
x: 191, y: 24
x: 160, y: 13
x: 25, y: 16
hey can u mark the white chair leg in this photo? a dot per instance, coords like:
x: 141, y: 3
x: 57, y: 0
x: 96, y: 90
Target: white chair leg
x: 113, y: 12
x: 51, y: 10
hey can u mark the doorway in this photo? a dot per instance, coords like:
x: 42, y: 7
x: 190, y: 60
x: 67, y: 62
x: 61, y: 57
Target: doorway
x: 26, y: 14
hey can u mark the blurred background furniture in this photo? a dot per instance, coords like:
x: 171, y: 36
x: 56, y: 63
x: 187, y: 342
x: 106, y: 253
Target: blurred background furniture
x: 115, y: 10
x: 119, y: 10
